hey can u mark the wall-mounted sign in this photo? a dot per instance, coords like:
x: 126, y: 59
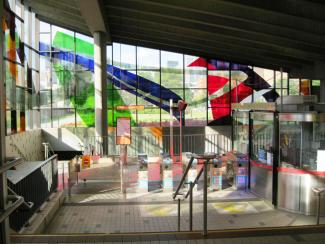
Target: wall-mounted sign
x: 123, y: 131
x: 254, y: 106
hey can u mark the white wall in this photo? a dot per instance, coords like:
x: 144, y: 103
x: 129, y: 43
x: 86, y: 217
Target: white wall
x: 26, y: 144
x: 64, y: 139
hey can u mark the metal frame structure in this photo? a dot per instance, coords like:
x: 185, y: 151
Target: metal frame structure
x: 5, y: 209
x: 206, y: 157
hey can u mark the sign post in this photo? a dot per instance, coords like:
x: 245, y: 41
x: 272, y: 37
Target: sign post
x: 123, y: 138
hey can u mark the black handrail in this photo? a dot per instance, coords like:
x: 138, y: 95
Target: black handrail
x: 36, y: 188
x: 189, y: 165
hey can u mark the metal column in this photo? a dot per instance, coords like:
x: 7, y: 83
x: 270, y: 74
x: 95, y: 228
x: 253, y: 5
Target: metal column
x: 179, y: 215
x: 205, y: 199
x: 123, y: 163
x: 100, y: 75
x: 4, y: 226
x: 250, y: 146
x: 191, y: 205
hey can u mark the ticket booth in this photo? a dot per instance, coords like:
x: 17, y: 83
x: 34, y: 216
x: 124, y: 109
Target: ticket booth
x: 286, y: 152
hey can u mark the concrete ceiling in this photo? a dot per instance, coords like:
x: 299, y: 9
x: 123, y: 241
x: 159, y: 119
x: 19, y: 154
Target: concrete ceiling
x: 273, y: 34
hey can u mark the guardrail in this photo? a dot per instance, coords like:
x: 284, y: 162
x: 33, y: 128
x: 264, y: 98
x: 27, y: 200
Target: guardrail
x: 35, y: 188
x: 154, y: 145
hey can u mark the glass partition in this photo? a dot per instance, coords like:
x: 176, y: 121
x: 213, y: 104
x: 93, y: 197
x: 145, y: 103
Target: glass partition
x: 241, y: 131
x: 262, y: 137
x: 301, y: 137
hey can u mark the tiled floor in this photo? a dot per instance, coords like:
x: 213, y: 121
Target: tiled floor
x: 98, y: 206
x: 113, y: 212
x: 314, y: 238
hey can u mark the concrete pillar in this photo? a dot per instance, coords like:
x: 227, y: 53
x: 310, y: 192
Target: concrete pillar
x: 100, y: 92
x: 322, y: 91
x: 4, y: 226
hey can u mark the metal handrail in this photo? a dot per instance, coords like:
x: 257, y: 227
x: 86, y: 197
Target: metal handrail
x: 207, y: 157
x: 51, y: 148
x: 18, y: 201
x: 194, y: 182
x: 27, y: 205
x: 9, y: 165
x: 189, y: 165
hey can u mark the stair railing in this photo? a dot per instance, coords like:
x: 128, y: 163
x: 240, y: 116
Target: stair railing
x: 206, y: 157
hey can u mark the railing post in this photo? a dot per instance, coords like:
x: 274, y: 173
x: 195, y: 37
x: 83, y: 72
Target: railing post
x: 179, y: 215
x: 63, y: 187
x: 205, y: 199
x: 191, y: 205
x: 69, y: 180
x: 318, y: 209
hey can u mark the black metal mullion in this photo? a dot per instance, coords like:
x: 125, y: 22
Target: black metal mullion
x: 230, y: 101
x: 51, y: 78
x: 183, y: 113
x: 250, y: 145
x: 75, y: 80
x: 275, y: 151
x: 160, y: 87
x: 207, y: 92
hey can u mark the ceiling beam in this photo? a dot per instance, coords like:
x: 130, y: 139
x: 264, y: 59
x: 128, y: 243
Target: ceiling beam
x: 212, y: 27
x: 53, y: 18
x: 216, y: 38
x: 308, y: 9
x: 242, y: 12
x: 55, y: 7
x: 223, y: 21
x: 47, y: 11
x: 67, y: 4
